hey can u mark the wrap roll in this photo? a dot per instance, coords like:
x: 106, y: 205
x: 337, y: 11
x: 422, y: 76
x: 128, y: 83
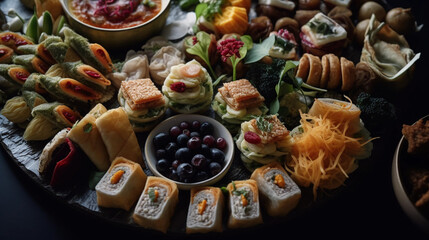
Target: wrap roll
x: 32, y: 62
x: 60, y: 51
x: 6, y: 54
x: 344, y: 114
x: 118, y: 136
x: 86, y: 74
x: 86, y: 134
x: 15, y: 74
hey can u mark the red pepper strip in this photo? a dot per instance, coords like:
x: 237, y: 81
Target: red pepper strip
x: 69, y: 168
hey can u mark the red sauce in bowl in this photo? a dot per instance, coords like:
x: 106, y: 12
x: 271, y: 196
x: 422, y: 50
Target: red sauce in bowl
x: 114, y: 14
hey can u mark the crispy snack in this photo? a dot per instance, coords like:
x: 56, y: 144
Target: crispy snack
x: 315, y: 71
x: 241, y: 94
x: 276, y: 132
x: 142, y: 93
x: 417, y: 136
x: 334, y: 72
x: 347, y: 74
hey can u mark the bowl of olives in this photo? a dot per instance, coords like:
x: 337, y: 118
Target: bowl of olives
x: 189, y: 149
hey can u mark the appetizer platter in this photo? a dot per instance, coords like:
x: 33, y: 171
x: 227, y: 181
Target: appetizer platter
x: 250, y: 113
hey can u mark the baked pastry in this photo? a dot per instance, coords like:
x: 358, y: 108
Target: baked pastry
x: 86, y: 134
x: 279, y: 193
x: 118, y: 135
x: 143, y: 103
x: 243, y: 204
x: 205, y: 210
x: 122, y: 185
x: 156, y: 204
x: 285, y: 46
x: 322, y: 35
x: 238, y: 101
x: 188, y: 87
x: 263, y: 140
x: 162, y: 62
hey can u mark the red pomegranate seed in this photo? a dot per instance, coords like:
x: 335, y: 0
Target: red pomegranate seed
x: 178, y: 87
x: 92, y: 74
x: 252, y: 138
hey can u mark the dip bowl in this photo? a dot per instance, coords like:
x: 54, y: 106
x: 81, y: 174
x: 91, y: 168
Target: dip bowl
x: 218, y: 131
x: 119, y: 38
x: 402, y: 162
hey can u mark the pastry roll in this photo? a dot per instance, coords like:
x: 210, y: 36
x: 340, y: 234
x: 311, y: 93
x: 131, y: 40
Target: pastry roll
x: 60, y: 51
x: 122, y: 184
x: 243, y: 204
x: 205, y: 210
x: 315, y: 70
x: 347, y: 74
x: 86, y: 134
x: 334, y: 72
x: 118, y: 135
x: 156, y: 204
x: 7, y: 54
x: 15, y: 74
x: 86, y: 74
x: 279, y: 193
x: 344, y: 114
x: 32, y: 62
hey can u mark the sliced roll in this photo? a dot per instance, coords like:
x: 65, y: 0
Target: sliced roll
x: 6, y: 54
x: 86, y: 74
x: 279, y: 193
x: 205, y: 210
x: 15, y: 74
x: 122, y: 185
x: 156, y: 204
x: 243, y: 204
x: 32, y: 62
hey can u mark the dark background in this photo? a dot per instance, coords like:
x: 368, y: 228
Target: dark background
x: 367, y: 208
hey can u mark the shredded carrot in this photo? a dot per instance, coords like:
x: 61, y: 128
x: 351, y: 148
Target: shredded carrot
x: 324, y: 154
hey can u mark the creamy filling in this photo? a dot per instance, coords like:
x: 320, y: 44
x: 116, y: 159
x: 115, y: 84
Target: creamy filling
x: 205, y: 218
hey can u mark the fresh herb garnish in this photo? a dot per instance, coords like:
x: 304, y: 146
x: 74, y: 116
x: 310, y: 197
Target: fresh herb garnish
x: 284, y: 44
x: 260, y: 50
x: 321, y: 27
x: 235, y: 49
x: 263, y: 124
x: 201, y: 49
x: 238, y: 192
x: 208, y: 10
x: 152, y: 194
x: 87, y: 128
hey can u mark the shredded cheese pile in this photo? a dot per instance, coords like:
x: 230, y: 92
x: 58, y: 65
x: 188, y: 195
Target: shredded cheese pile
x: 323, y: 155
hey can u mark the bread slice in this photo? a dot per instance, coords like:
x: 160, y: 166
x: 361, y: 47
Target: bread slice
x: 205, y: 210
x: 279, y: 193
x: 243, y: 204
x: 241, y: 94
x: 142, y: 93
x: 156, y: 204
x: 122, y: 184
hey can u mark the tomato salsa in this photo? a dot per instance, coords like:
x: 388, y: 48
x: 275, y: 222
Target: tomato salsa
x: 115, y: 14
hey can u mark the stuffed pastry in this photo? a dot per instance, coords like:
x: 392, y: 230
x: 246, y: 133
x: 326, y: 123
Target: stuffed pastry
x: 86, y: 134
x: 189, y: 88
x: 263, y: 140
x: 279, y: 193
x: 285, y: 46
x: 61, y: 162
x: 6, y: 54
x: 162, y: 62
x: 39, y: 50
x: 91, y: 53
x: 14, y: 40
x: 122, y: 185
x: 59, y: 50
x: 86, y: 74
x: 238, y: 101
x: 322, y: 35
x: 118, y: 135
x: 32, y: 62
x: 18, y: 109
x: 69, y: 90
x: 32, y: 83
x: 244, y: 204
x: 205, y: 210
x: 15, y: 74
x: 49, y: 119
x: 143, y: 103
x: 156, y: 204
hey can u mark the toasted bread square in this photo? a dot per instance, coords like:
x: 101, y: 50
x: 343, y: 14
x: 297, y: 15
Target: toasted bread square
x: 140, y: 92
x: 276, y: 132
x: 240, y: 94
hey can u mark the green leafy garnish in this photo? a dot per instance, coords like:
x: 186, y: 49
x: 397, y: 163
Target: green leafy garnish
x: 87, y: 128
x: 263, y: 124
x: 152, y: 195
x: 320, y: 27
x: 283, y: 88
x: 260, y: 50
x: 32, y: 28
x: 201, y: 49
x: 208, y: 11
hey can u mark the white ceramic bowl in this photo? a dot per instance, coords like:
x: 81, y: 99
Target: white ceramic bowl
x: 219, y: 131
x: 398, y: 187
x: 119, y: 38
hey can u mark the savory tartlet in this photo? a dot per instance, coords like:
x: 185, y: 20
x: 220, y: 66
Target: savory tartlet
x: 189, y: 88
x: 143, y: 103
